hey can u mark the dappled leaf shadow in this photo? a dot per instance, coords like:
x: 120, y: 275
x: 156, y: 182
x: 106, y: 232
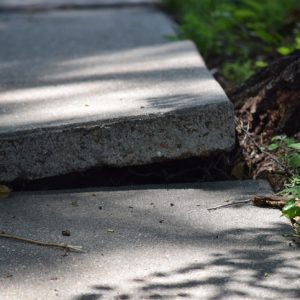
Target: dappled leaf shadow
x: 226, y: 254
x: 239, y: 273
x: 108, y: 65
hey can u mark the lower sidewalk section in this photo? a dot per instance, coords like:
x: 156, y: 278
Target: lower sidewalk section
x: 149, y: 242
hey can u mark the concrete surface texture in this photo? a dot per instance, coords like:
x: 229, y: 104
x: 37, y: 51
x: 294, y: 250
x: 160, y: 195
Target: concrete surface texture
x: 87, y: 88
x: 40, y: 4
x: 148, y: 242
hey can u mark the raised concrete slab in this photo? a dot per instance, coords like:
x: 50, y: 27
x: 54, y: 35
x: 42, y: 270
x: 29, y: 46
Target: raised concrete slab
x: 149, y: 242
x: 50, y: 4
x: 80, y: 89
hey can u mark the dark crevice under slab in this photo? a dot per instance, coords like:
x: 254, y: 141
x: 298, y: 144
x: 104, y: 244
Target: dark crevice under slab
x: 213, y: 168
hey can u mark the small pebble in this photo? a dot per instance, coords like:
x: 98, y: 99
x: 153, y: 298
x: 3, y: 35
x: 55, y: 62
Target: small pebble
x: 53, y: 278
x: 66, y: 233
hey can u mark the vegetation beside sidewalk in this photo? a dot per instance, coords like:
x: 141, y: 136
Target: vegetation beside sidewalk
x: 238, y: 38
x: 288, y: 152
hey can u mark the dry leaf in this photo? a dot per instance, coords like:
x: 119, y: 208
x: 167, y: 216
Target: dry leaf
x: 4, y: 191
x: 238, y: 169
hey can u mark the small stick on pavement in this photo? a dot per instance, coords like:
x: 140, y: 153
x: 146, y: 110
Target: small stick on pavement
x: 65, y: 247
x: 229, y: 204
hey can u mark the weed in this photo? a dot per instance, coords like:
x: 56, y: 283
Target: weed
x: 288, y: 151
x: 239, y: 31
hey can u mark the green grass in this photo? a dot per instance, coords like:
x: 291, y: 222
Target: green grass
x: 243, y: 34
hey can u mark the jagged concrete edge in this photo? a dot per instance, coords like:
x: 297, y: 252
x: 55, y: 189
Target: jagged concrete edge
x: 47, y: 152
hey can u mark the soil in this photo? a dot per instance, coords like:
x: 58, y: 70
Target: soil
x: 266, y: 105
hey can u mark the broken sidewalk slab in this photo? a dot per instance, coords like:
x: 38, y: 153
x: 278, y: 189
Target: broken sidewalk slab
x: 19, y: 5
x: 82, y: 89
x: 148, y: 242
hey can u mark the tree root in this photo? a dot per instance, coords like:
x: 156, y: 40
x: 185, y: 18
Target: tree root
x: 270, y: 201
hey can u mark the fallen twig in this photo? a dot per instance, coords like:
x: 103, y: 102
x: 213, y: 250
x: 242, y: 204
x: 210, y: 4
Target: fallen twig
x: 262, y: 201
x: 65, y: 247
x: 229, y: 204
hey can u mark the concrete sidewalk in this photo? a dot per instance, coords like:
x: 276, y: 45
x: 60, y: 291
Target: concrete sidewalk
x: 149, y: 242
x: 88, y: 88
x: 20, y: 5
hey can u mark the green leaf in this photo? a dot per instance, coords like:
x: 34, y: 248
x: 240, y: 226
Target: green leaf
x: 294, y: 146
x: 264, y: 36
x: 289, y: 141
x: 295, y: 181
x: 290, y: 191
x: 243, y: 14
x: 297, y: 42
x: 260, y: 64
x: 284, y: 51
x: 294, y: 160
x: 290, y: 210
x: 290, y: 204
x: 278, y: 138
x: 273, y: 146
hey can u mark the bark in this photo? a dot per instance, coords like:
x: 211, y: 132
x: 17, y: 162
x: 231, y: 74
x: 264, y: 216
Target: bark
x: 266, y: 105
x: 270, y: 100
x: 270, y: 201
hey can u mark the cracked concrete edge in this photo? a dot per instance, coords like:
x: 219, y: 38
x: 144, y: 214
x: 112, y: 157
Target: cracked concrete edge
x: 194, y: 132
